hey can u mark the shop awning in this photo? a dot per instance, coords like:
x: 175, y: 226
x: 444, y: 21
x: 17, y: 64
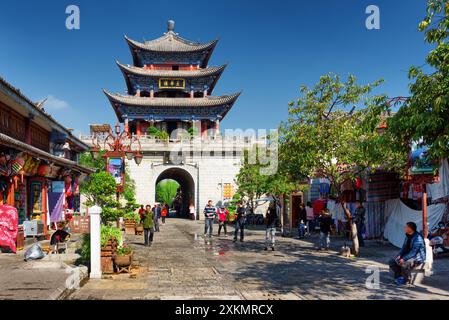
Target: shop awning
x: 35, y: 152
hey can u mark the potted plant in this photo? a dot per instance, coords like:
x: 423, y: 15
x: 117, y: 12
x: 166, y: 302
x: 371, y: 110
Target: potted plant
x: 131, y: 220
x: 123, y: 259
x: 110, y: 240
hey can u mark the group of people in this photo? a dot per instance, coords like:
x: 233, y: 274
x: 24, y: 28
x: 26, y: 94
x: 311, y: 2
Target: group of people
x: 149, y: 218
x: 411, y: 255
x: 211, y: 213
x: 308, y: 220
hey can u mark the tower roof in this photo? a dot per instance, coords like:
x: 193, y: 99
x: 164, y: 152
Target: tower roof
x: 171, y: 42
x: 208, y: 101
x: 200, y: 108
x: 171, y: 47
x: 198, y: 73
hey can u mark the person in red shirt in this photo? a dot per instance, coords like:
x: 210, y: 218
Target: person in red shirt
x: 222, y: 214
x: 141, y: 212
x: 164, y: 213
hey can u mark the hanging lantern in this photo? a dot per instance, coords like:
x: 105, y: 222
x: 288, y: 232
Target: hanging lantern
x: 138, y: 158
x: 129, y: 154
x: 43, y: 170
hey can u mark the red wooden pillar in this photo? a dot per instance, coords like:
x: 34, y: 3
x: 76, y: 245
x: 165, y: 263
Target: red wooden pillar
x: 203, y: 129
x: 424, y: 212
x: 138, y: 128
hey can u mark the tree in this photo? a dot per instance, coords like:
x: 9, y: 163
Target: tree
x: 166, y: 191
x: 425, y: 116
x: 100, y: 189
x: 332, y: 133
x: 253, y: 184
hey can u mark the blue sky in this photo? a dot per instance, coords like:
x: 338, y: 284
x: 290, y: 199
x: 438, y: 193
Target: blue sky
x: 272, y: 48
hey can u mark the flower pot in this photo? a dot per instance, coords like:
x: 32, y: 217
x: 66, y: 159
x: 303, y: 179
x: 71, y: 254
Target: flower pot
x: 123, y: 260
x: 139, y: 229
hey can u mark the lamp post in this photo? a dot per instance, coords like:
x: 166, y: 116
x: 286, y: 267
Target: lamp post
x: 118, y: 143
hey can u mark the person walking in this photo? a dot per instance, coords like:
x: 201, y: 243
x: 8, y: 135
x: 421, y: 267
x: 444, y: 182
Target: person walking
x: 310, y: 218
x: 209, y: 216
x: 192, y: 211
x: 272, y: 220
x: 240, y: 222
x: 141, y: 212
x: 164, y: 213
x: 325, y: 221
x: 156, y: 220
x: 158, y: 212
x: 148, y: 226
x: 359, y: 220
x: 222, y: 213
x: 302, y: 221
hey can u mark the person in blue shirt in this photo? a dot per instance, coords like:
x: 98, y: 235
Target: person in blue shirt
x: 411, y: 255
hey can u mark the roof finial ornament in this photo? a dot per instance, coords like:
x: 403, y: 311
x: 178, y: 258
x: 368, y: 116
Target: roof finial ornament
x: 171, y: 26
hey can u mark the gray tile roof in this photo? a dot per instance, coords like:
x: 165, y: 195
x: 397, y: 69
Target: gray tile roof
x: 171, y: 42
x: 210, y: 71
x: 209, y: 101
x: 10, y: 89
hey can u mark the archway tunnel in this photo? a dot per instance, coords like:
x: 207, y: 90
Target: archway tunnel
x: 186, y: 194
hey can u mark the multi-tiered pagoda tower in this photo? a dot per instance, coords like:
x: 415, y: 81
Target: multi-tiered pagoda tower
x: 170, y: 87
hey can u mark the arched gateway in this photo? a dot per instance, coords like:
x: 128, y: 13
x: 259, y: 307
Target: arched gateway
x: 186, y: 182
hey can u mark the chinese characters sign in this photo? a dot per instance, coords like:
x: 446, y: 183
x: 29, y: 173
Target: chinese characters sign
x: 165, y: 83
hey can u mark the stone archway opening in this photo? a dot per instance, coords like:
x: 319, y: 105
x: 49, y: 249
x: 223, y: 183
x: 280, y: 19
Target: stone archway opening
x: 186, y: 192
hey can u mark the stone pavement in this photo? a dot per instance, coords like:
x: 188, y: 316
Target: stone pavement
x: 181, y: 265
x: 51, y: 278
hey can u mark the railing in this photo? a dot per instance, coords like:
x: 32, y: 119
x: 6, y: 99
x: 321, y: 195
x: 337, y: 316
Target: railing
x: 150, y: 141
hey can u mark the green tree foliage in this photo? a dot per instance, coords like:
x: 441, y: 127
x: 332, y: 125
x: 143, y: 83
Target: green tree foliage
x: 332, y: 132
x: 87, y: 160
x: 166, y: 191
x: 154, y: 132
x: 253, y: 184
x: 425, y: 117
x: 100, y: 189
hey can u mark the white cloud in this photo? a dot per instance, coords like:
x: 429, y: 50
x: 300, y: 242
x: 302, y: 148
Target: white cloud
x: 54, y: 103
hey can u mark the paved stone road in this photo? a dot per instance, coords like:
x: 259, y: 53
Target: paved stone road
x: 181, y: 265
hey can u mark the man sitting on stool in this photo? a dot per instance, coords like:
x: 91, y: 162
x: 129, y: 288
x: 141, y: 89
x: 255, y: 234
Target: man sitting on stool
x: 412, y: 254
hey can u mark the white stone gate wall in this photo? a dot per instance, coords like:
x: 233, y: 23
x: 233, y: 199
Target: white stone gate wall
x: 208, y: 173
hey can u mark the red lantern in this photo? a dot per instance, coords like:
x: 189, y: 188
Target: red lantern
x: 358, y: 183
x: 43, y: 170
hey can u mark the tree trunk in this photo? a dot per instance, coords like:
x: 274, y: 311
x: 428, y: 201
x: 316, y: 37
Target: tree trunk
x: 354, y: 235
x: 355, y: 239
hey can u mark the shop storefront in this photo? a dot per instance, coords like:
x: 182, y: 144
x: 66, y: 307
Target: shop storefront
x: 43, y: 188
